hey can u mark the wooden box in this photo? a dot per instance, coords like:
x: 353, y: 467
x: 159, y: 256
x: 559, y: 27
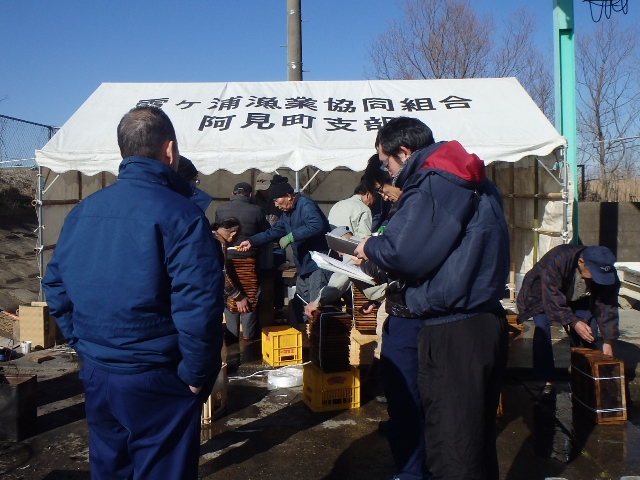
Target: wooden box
x: 514, y: 326
x: 362, y: 348
x: 36, y: 325
x: 598, y: 386
x: 216, y: 404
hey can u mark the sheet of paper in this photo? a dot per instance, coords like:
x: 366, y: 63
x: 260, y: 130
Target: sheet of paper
x: 327, y: 263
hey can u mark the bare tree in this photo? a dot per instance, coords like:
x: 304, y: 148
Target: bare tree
x: 609, y: 104
x: 448, y: 39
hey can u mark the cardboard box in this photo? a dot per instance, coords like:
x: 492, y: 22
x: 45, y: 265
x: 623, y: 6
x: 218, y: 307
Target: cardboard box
x: 36, y: 325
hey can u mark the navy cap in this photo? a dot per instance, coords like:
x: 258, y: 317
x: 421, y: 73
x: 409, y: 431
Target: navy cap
x: 599, y: 261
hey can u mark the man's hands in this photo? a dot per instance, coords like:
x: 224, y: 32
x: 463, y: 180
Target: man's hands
x: 286, y: 241
x: 243, y: 305
x: 309, y: 309
x: 244, y: 246
x: 195, y: 390
x: 359, y: 252
x: 584, y: 331
x: 586, y: 334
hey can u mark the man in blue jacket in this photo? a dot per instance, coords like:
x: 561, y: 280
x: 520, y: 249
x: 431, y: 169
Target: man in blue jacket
x: 135, y: 285
x: 303, y: 226
x: 448, y: 247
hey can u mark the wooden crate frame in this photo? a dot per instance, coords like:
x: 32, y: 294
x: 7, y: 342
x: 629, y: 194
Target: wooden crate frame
x: 598, y: 386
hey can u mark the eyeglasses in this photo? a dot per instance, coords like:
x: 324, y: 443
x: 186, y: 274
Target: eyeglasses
x: 380, y: 189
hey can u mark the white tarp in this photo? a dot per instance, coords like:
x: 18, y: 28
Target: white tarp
x: 269, y: 125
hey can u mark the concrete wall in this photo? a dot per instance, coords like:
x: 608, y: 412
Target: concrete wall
x: 615, y: 225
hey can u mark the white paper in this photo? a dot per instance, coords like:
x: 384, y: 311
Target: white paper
x: 327, y: 263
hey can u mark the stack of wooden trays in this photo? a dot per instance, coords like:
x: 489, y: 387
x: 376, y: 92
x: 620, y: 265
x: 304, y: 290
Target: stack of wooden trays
x: 329, y: 339
x: 597, y: 386
x: 363, y: 322
x: 242, y: 272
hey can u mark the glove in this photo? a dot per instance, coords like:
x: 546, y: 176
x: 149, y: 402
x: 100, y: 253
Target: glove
x: 286, y: 241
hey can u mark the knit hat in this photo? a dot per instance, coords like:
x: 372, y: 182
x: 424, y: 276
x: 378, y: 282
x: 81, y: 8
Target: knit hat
x: 186, y: 169
x: 242, y: 188
x: 599, y: 261
x: 279, y: 187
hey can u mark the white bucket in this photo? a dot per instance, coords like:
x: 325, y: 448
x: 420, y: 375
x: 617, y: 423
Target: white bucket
x: 26, y: 347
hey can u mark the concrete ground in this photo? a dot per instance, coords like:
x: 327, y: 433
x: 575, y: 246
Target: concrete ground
x: 272, y: 434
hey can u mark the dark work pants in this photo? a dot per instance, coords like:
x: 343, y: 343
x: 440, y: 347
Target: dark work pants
x: 399, y: 370
x: 142, y: 426
x: 461, y: 368
x: 543, y: 363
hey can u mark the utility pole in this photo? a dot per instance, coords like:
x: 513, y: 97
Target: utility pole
x: 565, y: 82
x: 294, y: 40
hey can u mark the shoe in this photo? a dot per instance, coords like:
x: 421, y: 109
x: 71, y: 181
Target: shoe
x: 548, y: 393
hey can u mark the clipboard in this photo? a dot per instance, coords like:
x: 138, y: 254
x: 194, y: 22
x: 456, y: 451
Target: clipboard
x: 342, y: 245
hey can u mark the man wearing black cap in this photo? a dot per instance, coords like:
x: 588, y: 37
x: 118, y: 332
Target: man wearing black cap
x: 303, y: 226
x: 576, y: 287
x: 252, y: 221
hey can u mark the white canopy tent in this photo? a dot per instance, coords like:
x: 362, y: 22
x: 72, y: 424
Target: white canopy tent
x: 232, y: 130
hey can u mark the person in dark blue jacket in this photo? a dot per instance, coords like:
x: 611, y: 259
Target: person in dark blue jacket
x: 136, y: 287
x: 448, y: 246
x: 303, y: 226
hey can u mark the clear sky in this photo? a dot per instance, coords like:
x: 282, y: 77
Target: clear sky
x: 54, y: 54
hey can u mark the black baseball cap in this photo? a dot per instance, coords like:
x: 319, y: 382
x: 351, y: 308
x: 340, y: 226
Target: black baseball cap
x: 242, y: 188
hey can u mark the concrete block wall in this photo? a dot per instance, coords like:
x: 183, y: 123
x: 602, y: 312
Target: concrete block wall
x: 615, y: 225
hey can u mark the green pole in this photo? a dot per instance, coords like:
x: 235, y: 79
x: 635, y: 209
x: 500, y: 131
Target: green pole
x: 565, y: 89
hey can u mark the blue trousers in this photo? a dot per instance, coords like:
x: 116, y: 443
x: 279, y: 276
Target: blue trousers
x: 543, y: 363
x: 141, y: 426
x: 399, y: 370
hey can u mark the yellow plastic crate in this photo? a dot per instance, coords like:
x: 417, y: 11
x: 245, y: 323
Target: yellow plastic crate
x: 281, y: 345
x: 322, y: 392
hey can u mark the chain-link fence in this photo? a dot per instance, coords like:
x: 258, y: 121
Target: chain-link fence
x: 19, y: 139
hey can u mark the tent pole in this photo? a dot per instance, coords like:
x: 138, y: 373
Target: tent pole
x: 39, y: 246
x: 536, y: 206
x: 512, y: 231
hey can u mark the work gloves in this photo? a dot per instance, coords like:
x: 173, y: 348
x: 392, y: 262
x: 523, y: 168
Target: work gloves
x: 286, y: 241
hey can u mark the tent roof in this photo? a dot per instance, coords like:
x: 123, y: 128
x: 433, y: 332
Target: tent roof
x: 270, y: 125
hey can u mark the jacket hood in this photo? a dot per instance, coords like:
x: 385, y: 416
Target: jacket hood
x: 450, y: 157
x: 149, y: 170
